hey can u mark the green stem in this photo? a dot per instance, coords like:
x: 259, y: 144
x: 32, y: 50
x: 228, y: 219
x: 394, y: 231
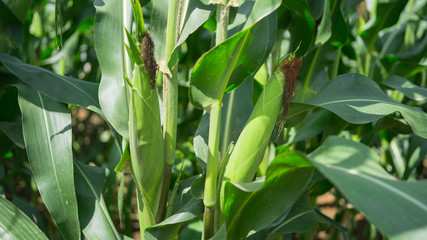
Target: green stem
x: 170, y: 103
x: 222, y: 23
x: 310, y: 69
x: 227, y: 125
x: 210, y: 193
x: 368, y: 64
x: 336, y: 64
x: 211, y: 171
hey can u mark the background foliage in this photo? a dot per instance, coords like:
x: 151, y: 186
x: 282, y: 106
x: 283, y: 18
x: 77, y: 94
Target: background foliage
x: 356, y: 128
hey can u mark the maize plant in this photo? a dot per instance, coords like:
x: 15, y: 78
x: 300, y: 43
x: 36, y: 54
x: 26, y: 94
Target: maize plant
x: 213, y: 119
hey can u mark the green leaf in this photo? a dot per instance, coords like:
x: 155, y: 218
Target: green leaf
x: 237, y: 57
x: 93, y: 213
x: 253, y: 206
x: 387, y: 15
x: 410, y: 90
x: 32, y: 213
x: 11, y: 27
x: 324, y: 31
x: 357, y: 99
x: 313, y: 125
x: 61, y: 88
x: 250, y: 12
x: 185, y: 208
x: 19, y: 8
x: 301, y: 218
x: 46, y: 126
x: 14, y: 224
x: 14, y: 131
x: 158, y: 26
x: 301, y: 25
x: 170, y: 227
x: 108, y: 39
x: 339, y: 29
x: 297, y: 113
x: 397, y: 208
x: 193, y: 15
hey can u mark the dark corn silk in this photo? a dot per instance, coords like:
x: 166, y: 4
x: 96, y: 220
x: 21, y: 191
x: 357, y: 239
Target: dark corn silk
x: 147, y: 56
x: 289, y: 67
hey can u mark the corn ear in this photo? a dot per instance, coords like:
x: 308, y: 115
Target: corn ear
x: 252, y: 142
x: 146, y: 144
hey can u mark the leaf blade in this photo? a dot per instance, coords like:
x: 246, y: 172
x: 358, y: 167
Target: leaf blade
x: 14, y: 224
x: 46, y: 127
x: 108, y: 39
x: 345, y: 163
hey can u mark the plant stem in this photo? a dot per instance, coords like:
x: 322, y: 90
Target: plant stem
x: 222, y: 23
x: 210, y: 193
x: 336, y: 64
x: 170, y: 104
x: 311, y: 68
x: 209, y: 198
x: 227, y: 125
x: 211, y: 171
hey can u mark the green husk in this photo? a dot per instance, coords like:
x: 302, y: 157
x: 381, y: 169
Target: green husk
x: 252, y: 142
x: 146, y: 145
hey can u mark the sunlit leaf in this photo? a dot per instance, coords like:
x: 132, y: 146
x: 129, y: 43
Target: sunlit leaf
x: 397, y: 208
x: 358, y: 100
x: 14, y: 224
x: 410, y: 90
x: 253, y: 206
x: 108, y: 38
x: 236, y: 58
x: 46, y: 126
x: 61, y: 88
x: 93, y: 213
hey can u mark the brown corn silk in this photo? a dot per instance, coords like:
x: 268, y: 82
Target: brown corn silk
x: 289, y: 67
x: 147, y: 56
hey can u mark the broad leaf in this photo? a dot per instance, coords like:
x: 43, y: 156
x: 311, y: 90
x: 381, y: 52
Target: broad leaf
x: 93, y: 213
x: 387, y: 15
x: 301, y: 218
x: 158, y: 26
x: 170, y: 227
x: 357, y: 99
x: 237, y: 58
x: 313, y: 125
x: 410, y: 90
x: 14, y: 224
x: 108, y: 39
x: 397, y: 208
x: 324, y: 31
x: 301, y: 25
x: 193, y: 15
x: 185, y: 209
x: 46, y: 126
x: 32, y: 213
x: 14, y: 131
x: 19, y: 8
x: 11, y: 27
x: 250, y: 12
x: 61, y: 88
x: 253, y: 206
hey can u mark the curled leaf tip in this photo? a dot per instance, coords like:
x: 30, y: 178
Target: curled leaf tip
x: 147, y: 56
